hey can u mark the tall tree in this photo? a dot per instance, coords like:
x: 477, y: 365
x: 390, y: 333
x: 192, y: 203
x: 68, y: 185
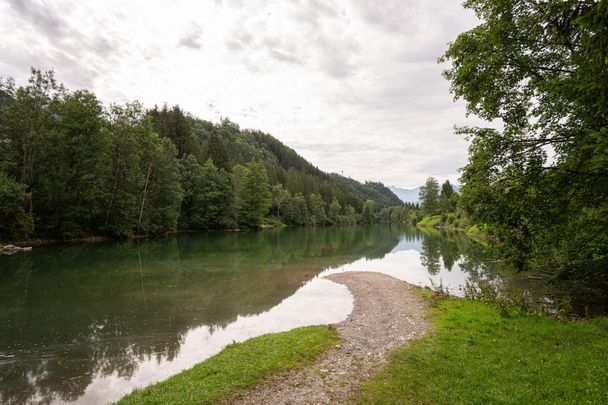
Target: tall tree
x: 447, y: 198
x: 161, y: 194
x: 210, y: 196
x: 539, y: 67
x: 429, y: 196
x: 255, y: 196
x: 279, y: 196
x: 215, y: 150
x: 128, y: 129
x: 173, y: 123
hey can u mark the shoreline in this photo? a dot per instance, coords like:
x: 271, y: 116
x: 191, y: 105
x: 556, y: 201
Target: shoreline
x: 387, y: 314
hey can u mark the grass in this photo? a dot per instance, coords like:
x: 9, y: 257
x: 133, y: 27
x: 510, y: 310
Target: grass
x: 479, y: 354
x: 238, y: 366
x: 430, y: 221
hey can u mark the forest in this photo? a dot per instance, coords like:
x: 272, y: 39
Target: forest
x: 71, y: 167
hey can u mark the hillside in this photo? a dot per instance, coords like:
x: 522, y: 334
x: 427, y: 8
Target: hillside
x: 71, y: 167
x: 284, y: 165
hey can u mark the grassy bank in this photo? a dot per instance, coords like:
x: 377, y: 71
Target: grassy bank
x: 479, y: 354
x: 452, y: 222
x: 238, y: 366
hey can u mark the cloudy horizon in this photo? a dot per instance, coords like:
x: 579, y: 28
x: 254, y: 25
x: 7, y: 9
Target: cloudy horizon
x: 353, y: 86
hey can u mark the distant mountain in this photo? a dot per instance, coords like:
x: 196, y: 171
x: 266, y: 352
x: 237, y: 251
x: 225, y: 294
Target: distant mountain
x: 285, y: 163
x: 411, y: 194
x: 406, y: 194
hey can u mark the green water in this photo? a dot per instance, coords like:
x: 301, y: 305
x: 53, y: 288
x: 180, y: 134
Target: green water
x: 73, y: 316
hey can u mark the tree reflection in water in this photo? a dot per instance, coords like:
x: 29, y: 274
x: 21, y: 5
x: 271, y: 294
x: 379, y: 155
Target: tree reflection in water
x: 69, y: 314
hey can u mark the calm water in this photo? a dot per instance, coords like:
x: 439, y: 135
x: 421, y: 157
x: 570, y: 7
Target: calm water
x: 88, y: 323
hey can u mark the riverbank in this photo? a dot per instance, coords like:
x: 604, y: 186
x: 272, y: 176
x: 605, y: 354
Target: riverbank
x: 477, y: 352
x: 479, y: 233
x: 480, y: 353
x: 37, y: 242
x: 238, y: 366
x: 386, y: 314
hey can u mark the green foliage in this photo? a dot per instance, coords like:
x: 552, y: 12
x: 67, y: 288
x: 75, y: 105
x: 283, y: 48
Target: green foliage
x: 368, y: 216
x: 429, y: 196
x: 280, y: 196
x: 123, y: 171
x: 128, y: 133
x: 254, y: 195
x: 316, y: 207
x: 476, y: 355
x: 430, y: 221
x: 162, y: 193
x: 238, y: 366
x: 448, y: 199
x: 55, y: 144
x: 300, y: 207
x: 334, y: 211
x: 541, y: 69
x: 15, y: 221
x: 400, y: 214
x: 215, y: 150
x: 206, y: 191
x: 175, y: 125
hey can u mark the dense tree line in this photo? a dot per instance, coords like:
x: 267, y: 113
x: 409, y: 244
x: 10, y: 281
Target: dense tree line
x: 435, y: 201
x: 541, y: 183
x: 70, y: 167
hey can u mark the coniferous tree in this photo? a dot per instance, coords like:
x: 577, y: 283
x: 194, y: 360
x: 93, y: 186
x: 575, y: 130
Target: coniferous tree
x: 191, y: 181
x: 255, y: 196
x: 215, y: 196
x: 215, y: 150
x: 288, y: 213
x: 429, y: 196
x: 172, y: 123
x: 447, y: 198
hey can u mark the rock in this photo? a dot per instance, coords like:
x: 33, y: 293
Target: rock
x: 12, y: 249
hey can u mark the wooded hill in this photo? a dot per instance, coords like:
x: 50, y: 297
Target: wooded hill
x: 70, y: 167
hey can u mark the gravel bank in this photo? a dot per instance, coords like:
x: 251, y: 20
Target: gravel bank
x: 387, y: 313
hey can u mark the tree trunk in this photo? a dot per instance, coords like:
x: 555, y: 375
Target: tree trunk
x: 143, y: 199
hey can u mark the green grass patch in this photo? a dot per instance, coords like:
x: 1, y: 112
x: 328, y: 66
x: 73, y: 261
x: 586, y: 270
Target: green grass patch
x: 430, y: 221
x: 238, y: 366
x: 478, y: 355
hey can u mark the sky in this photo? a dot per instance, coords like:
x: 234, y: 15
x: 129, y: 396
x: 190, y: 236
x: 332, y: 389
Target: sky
x: 352, y: 85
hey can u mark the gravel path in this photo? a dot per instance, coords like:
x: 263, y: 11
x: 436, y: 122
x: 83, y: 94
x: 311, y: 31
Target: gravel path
x: 387, y: 312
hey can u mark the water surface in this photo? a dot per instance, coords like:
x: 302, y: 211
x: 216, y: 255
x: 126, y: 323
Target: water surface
x: 87, y: 323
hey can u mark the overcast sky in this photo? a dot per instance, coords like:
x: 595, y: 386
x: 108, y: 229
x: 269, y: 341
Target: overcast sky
x: 352, y: 85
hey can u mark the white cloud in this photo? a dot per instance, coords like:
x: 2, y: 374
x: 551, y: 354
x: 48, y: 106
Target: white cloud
x: 352, y: 85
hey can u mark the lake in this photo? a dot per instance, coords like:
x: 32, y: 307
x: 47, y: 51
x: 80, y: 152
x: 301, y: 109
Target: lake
x: 87, y: 323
